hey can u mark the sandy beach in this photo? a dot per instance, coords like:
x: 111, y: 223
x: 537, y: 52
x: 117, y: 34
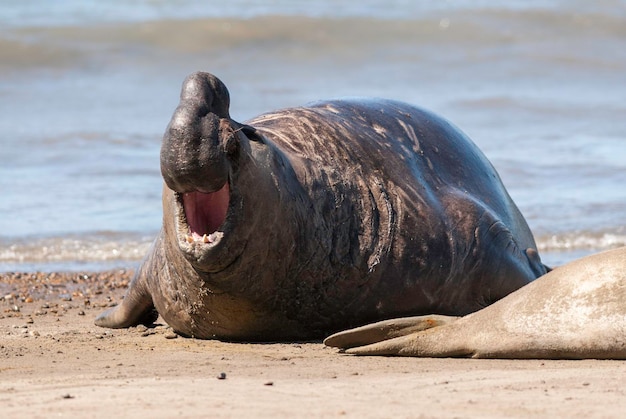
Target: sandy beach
x: 56, y: 363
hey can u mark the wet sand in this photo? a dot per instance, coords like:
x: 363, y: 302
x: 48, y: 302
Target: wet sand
x: 55, y: 362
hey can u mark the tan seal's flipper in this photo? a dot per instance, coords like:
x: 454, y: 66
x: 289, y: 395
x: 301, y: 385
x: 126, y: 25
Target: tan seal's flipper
x: 384, y: 330
x: 432, y: 343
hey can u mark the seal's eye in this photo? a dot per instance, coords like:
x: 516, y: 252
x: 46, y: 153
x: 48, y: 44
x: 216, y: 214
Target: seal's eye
x: 206, y: 212
x: 227, y: 137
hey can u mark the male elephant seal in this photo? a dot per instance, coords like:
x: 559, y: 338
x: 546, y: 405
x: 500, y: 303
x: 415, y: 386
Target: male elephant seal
x: 308, y: 220
x: 576, y: 311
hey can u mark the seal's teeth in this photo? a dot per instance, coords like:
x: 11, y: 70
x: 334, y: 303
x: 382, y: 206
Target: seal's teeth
x: 205, y: 239
x: 212, y: 237
x: 189, y: 238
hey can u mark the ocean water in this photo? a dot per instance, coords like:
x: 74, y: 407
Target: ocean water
x: 87, y: 89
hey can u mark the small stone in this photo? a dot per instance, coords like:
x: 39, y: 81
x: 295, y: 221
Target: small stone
x: 171, y: 335
x: 30, y: 320
x: 221, y: 376
x: 141, y: 328
x: 268, y: 383
x: 81, y: 313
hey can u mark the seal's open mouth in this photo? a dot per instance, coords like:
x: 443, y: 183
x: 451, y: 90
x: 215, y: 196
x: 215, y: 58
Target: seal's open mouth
x: 205, y: 213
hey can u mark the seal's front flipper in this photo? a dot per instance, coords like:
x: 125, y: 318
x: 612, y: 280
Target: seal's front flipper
x: 122, y: 316
x: 384, y: 330
x: 136, y: 308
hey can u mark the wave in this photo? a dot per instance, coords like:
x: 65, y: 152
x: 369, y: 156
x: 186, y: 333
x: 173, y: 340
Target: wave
x: 102, y: 249
x: 581, y: 241
x: 73, y: 12
x: 106, y: 250
x: 60, y: 46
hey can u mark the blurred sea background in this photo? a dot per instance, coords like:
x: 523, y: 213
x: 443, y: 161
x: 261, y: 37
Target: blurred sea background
x: 87, y: 88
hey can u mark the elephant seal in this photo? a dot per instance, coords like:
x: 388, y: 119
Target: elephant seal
x: 576, y: 311
x: 309, y: 220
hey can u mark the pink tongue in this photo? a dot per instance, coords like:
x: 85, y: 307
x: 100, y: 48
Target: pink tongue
x: 205, y: 212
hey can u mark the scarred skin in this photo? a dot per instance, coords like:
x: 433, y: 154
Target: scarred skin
x: 320, y: 218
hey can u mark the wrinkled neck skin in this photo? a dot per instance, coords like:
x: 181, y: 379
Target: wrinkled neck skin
x: 227, y: 275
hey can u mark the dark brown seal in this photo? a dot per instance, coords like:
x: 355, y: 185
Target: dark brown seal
x: 308, y: 220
